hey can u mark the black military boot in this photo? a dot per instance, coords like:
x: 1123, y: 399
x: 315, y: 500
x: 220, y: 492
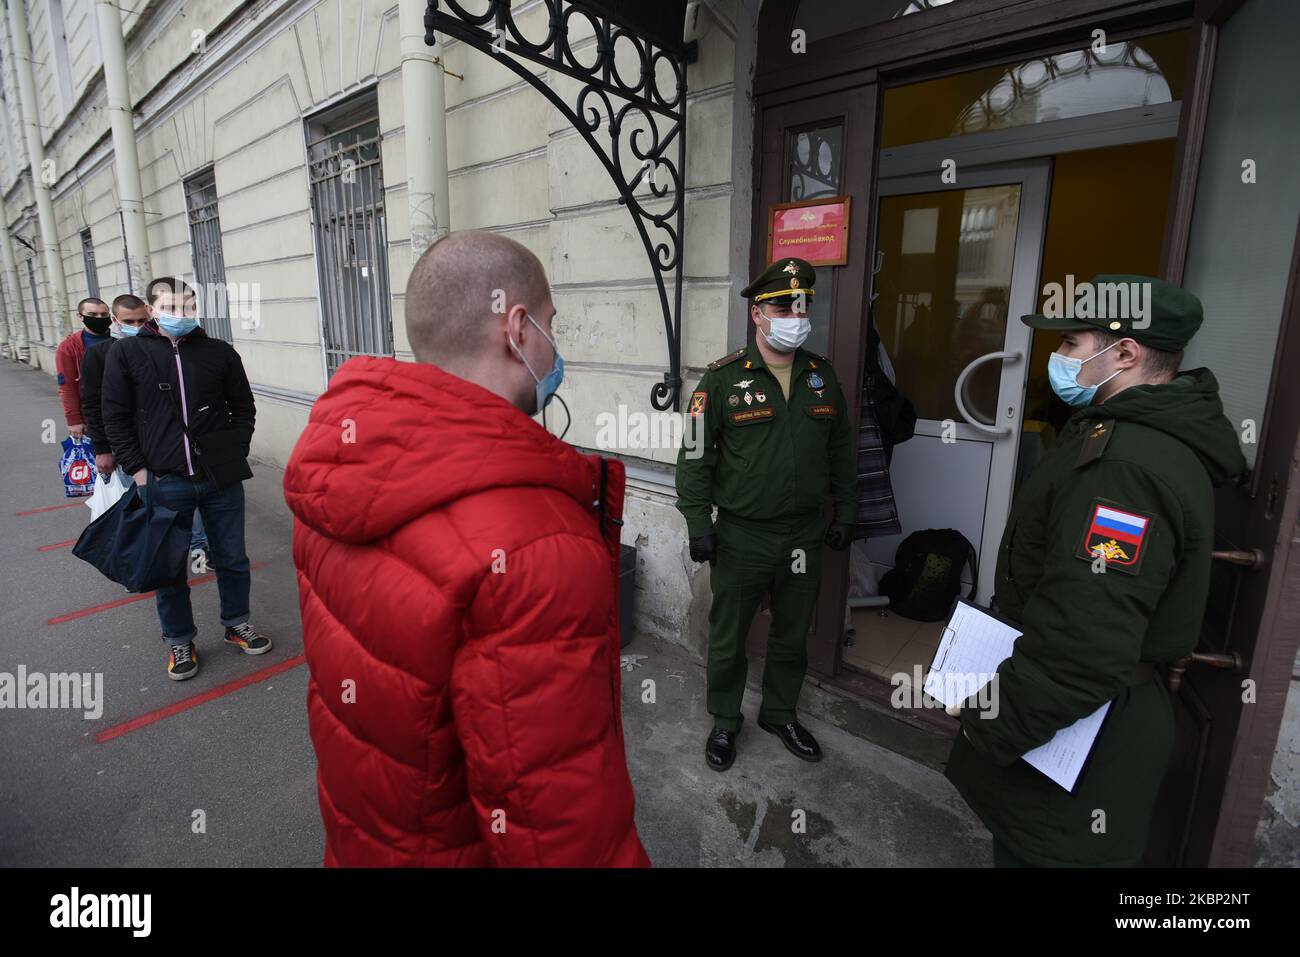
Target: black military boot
x: 796, y: 738
x: 720, y: 748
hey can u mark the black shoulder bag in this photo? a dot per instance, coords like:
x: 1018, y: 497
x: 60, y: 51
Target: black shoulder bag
x: 220, y: 456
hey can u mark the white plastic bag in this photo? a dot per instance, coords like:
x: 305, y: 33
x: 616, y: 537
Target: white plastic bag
x: 107, y: 492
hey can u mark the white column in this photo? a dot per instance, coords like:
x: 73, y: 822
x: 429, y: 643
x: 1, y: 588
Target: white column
x: 43, y: 177
x: 126, y: 161
x: 424, y: 105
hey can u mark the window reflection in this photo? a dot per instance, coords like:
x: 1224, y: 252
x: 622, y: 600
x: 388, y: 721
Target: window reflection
x: 828, y: 18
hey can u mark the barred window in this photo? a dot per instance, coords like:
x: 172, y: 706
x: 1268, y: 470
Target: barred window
x: 209, y: 258
x: 350, y: 230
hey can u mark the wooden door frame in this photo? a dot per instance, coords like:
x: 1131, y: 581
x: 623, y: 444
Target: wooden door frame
x: 1272, y: 595
x: 856, y: 108
x: 1274, y: 591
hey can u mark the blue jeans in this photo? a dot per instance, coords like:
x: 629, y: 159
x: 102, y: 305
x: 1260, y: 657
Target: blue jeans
x: 223, y: 515
x: 198, y: 538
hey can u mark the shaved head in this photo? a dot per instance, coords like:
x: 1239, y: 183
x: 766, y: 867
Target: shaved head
x: 461, y: 288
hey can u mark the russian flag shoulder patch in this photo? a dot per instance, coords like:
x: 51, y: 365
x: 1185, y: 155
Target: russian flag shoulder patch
x: 1118, y: 535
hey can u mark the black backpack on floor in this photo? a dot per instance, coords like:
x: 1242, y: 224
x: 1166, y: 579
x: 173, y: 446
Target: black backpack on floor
x: 926, y: 577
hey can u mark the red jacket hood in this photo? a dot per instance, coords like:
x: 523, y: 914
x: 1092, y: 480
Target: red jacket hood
x: 389, y: 441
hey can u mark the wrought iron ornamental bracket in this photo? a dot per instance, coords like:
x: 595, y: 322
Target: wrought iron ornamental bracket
x: 606, y: 97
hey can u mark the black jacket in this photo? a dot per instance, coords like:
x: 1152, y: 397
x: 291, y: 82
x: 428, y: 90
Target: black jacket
x: 142, y: 422
x: 92, y: 380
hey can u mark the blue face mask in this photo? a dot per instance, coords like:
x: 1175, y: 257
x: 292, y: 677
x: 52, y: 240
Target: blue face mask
x: 176, y: 326
x: 1063, y: 374
x: 125, y: 330
x: 547, y: 387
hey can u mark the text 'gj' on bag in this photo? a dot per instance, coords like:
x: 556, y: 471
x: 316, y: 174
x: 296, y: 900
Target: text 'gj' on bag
x: 139, y: 542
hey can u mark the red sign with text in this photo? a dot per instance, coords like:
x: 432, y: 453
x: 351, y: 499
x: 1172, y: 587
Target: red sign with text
x: 816, y: 231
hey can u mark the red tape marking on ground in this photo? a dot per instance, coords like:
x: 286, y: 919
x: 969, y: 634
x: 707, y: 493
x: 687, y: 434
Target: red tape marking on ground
x: 50, y: 548
x: 117, y: 603
x: 135, y: 724
x: 51, y: 508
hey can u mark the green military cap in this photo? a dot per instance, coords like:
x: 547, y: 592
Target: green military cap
x: 784, y: 279
x: 1154, y: 312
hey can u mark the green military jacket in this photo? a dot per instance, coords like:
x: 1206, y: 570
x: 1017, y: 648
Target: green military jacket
x: 757, y: 456
x: 1130, y: 479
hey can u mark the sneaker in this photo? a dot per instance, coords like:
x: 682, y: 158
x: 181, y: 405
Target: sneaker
x: 247, y: 640
x: 183, y: 662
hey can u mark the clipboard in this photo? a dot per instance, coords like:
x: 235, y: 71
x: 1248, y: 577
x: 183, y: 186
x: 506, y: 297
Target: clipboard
x: 1066, y: 757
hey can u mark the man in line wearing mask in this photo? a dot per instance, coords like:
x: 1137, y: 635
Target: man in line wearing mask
x: 458, y: 576
x: 1104, y: 567
x: 129, y: 314
x: 70, y: 355
x: 769, y: 441
x: 208, y: 391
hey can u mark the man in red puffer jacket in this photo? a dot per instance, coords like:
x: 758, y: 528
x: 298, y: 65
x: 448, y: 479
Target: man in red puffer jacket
x: 458, y: 577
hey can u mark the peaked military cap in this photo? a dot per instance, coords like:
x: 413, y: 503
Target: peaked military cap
x: 783, y: 280
x: 1171, y: 314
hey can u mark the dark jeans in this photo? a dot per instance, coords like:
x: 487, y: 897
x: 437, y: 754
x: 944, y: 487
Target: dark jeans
x: 223, y: 517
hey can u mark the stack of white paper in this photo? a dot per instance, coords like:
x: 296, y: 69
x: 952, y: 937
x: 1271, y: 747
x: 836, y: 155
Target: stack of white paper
x: 974, y: 643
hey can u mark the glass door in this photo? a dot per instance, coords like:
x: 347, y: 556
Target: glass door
x: 959, y: 264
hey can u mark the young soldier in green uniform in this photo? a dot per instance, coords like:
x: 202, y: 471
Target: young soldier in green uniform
x: 770, y: 442
x: 1104, y: 565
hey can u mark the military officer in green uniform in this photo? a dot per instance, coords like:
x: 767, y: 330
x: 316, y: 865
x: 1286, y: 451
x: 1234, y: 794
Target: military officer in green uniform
x: 770, y: 443
x: 1104, y: 566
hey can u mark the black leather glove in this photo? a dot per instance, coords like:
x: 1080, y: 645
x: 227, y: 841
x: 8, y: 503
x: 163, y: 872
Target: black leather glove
x: 704, y: 548
x: 839, y: 536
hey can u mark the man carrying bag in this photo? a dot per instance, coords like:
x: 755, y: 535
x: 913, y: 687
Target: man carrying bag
x: 179, y: 414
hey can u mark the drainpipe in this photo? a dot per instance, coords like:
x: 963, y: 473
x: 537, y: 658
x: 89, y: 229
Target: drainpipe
x: 126, y: 161
x: 14, y: 307
x: 42, y: 179
x: 425, y: 107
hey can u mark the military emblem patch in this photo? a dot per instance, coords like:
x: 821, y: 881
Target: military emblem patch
x: 1117, y: 535
x: 749, y: 399
x: 760, y: 396
x: 816, y: 382
x: 698, y: 401
x: 733, y: 400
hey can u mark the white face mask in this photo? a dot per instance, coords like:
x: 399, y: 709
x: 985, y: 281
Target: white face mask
x: 788, y: 332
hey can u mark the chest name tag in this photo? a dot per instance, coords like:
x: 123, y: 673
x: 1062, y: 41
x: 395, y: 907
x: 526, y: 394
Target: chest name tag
x: 823, y: 411
x: 749, y: 416
x: 1117, y: 535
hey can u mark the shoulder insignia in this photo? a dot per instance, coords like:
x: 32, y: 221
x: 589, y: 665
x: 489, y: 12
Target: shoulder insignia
x: 1117, y: 535
x: 727, y: 359
x: 1094, y: 442
x: 698, y: 402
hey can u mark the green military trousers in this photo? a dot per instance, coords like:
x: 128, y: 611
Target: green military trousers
x: 781, y: 558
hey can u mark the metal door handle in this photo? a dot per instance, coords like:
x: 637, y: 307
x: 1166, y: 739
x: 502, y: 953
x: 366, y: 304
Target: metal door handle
x: 1253, y: 559
x: 1229, y: 662
x: 961, y: 384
